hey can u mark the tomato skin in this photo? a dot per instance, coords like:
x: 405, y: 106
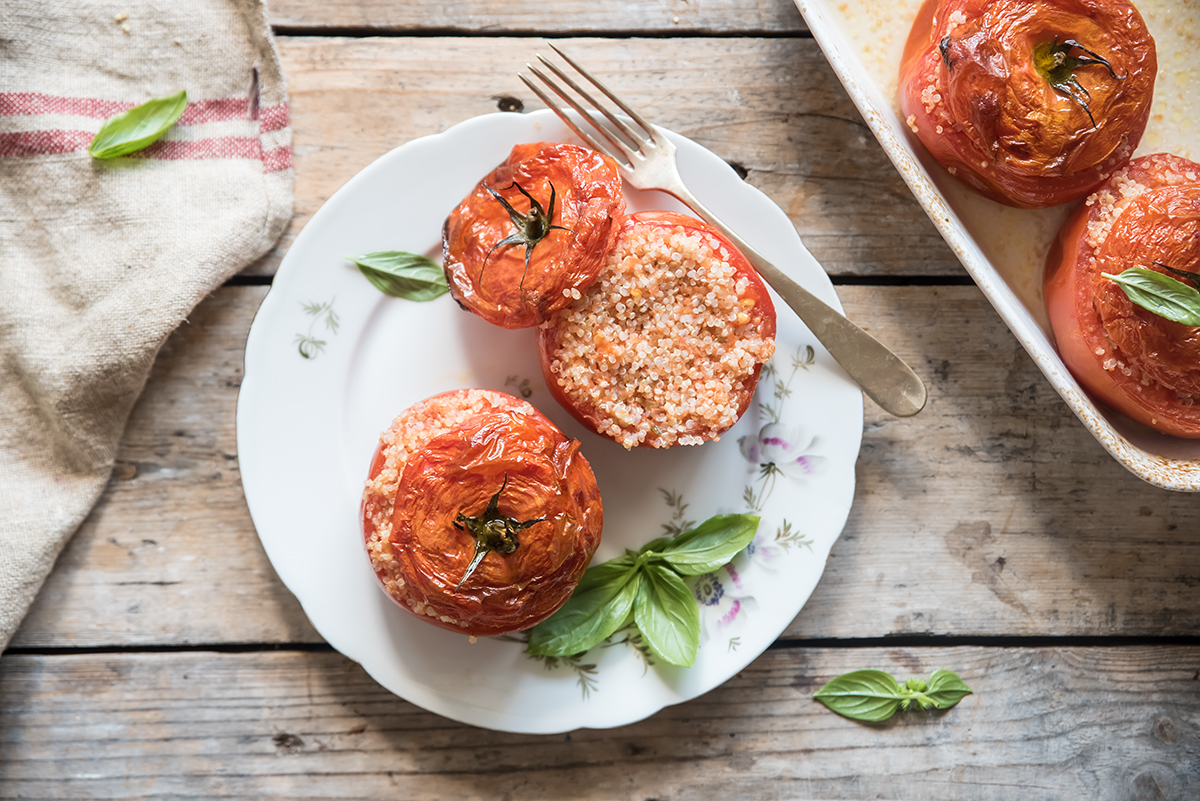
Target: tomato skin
x: 1100, y: 333
x: 986, y: 114
x: 585, y: 411
x: 492, y: 281
x: 542, y: 474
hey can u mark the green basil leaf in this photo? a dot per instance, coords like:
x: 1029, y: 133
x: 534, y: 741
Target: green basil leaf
x: 863, y: 695
x: 946, y: 689
x: 666, y: 614
x: 710, y: 545
x: 138, y: 127
x: 1165, y: 296
x: 655, y: 545
x: 403, y: 275
x: 599, y: 606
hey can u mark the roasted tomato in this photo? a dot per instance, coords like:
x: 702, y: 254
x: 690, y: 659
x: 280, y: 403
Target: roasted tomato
x: 533, y: 233
x: 494, y: 514
x: 1147, y: 215
x: 1030, y: 102
x: 666, y: 347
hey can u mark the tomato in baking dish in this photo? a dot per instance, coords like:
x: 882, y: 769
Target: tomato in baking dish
x: 1147, y: 215
x: 533, y: 233
x: 479, y: 515
x: 1030, y: 102
x: 666, y: 347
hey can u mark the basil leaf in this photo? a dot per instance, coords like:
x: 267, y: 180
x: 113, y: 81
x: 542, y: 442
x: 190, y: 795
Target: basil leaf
x: 710, y: 545
x: 138, y: 127
x: 667, y: 615
x: 403, y: 275
x: 946, y: 689
x: 599, y: 606
x: 655, y: 545
x: 863, y: 695
x: 1165, y: 296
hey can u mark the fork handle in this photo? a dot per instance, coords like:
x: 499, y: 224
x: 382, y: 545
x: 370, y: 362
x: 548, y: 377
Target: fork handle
x: 881, y: 374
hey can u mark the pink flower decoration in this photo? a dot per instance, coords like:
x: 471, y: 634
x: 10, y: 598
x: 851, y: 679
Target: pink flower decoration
x: 724, y: 603
x: 786, y: 449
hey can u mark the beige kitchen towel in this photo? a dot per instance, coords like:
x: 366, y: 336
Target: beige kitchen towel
x: 100, y: 260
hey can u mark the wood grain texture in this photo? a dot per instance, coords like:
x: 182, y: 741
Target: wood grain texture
x: 1119, y: 724
x: 993, y: 512
x: 771, y: 106
x: 671, y: 17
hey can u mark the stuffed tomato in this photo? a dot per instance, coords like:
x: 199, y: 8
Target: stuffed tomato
x: 533, y: 233
x: 479, y: 515
x: 1030, y: 102
x: 1140, y: 363
x: 665, y: 348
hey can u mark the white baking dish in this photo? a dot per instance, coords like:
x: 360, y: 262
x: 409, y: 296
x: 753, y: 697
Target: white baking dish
x: 1003, y: 249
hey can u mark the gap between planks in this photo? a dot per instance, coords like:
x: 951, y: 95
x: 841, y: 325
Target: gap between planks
x: 850, y: 643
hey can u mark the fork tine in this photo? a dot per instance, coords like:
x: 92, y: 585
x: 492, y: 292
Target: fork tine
x: 566, y: 118
x: 647, y: 127
x: 622, y: 147
x: 633, y: 140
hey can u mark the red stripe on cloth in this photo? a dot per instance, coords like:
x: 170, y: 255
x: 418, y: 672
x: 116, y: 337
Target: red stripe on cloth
x: 276, y: 159
x: 25, y: 104
x: 217, y: 147
x: 274, y: 118
x: 22, y: 104
x: 233, y: 108
x: 42, y: 143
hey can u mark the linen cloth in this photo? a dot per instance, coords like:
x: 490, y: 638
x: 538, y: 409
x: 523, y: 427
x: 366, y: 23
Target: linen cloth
x: 100, y: 260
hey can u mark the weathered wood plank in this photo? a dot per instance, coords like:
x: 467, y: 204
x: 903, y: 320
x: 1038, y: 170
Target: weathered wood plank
x: 1049, y: 723
x: 991, y: 513
x: 772, y: 106
x: 561, y: 17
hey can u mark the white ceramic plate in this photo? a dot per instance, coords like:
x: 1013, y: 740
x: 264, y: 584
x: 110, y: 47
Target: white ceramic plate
x: 1004, y: 249
x: 330, y: 361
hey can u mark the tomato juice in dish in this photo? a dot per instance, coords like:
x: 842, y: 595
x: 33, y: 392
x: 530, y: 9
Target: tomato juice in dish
x: 1030, y: 102
x: 665, y: 348
x: 1147, y: 215
x: 479, y: 515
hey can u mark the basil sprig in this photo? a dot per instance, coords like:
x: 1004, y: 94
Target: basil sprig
x: 873, y: 695
x: 1165, y: 296
x: 403, y: 275
x: 139, y: 127
x: 646, y: 586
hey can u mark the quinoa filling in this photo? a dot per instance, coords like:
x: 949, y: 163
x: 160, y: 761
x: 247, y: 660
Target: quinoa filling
x: 661, y: 345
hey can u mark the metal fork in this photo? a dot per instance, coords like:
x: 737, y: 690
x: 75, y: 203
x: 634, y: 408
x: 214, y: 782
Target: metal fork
x: 647, y: 161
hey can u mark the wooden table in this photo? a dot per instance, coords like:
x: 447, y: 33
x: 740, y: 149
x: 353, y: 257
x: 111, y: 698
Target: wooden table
x: 990, y: 535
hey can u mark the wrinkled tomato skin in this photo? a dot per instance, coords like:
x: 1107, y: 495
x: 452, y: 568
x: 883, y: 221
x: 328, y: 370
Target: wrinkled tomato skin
x: 460, y: 471
x: 1096, y: 325
x: 764, y: 307
x: 986, y: 114
x: 494, y: 282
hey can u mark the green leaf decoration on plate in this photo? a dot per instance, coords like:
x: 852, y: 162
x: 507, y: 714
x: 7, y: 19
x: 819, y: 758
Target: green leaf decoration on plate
x: 1165, y: 296
x: 137, y: 128
x: 400, y: 274
x: 307, y: 343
